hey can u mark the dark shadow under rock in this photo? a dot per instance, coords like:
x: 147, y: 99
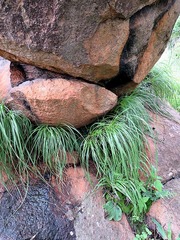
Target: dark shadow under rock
x: 39, y: 216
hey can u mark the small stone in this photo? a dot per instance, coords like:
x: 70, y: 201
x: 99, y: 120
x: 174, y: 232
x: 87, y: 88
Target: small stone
x: 170, y: 174
x: 71, y: 233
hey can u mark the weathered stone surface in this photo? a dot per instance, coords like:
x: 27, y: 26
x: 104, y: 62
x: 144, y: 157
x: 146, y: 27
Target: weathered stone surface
x: 157, y: 42
x: 90, y: 222
x: 167, y: 211
x: 80, y: 38
x: 39, y: 216
x: 166, y: 145
x: 88, y: 39
x: 60, y: 212
x: 150, y: 29
x: 5, y: 84
x: 57, y: 101
x: 128, y: 8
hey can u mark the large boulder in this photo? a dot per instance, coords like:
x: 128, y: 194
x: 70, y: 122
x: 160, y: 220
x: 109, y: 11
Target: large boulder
x: 57, y: 101
x: 150, y: 29
x: 80, y: 38
x: 88, y: 39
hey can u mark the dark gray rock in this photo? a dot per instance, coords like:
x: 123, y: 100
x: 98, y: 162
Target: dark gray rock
x: 39, y: 215
x: 68, y: 211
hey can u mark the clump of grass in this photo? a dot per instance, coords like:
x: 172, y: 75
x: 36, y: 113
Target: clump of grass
x: 50, y: 145
x: 117, y: 146
x: 14, y: 131
x: 117, y: 143
x: 163, y: 85
x: 24, y: 146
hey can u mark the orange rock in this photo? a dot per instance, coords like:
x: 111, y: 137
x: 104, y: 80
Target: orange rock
x: 150, y: 30
x: 163, y: 152
x: 90, y: 221
x: 58, y: 101
x: 157, y: 42
x: 82, y: 39
x: 167, y: 211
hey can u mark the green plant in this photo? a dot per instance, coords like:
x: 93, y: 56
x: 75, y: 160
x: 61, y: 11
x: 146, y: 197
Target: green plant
x: 51, y: 144
x: 144, y: 234
x: 166, y: 235
x: 14, y: 130
x: 117, y: 145
x: 24, y: 146
x: 124, y: 191
x: 163, y: 85
x: 113, y: 211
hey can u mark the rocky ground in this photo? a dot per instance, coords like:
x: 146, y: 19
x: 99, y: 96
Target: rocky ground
x: 70, y: 60
x: 74, y: 210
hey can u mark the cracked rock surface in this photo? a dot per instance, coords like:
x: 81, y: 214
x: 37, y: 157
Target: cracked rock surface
x: 94, y: 40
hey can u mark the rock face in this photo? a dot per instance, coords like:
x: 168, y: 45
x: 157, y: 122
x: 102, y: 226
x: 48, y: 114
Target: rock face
x: 71, y: 211
x: 57, y: 101
x: 82, y: 39
x: 166, y: 146
x: 39, y: 217
x: 147, y: 41
x: 166, y: 211
x: 88, y: 39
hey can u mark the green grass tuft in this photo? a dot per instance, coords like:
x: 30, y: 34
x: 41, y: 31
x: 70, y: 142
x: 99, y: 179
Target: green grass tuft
x: 117, y: 143
x: 117, y: 146
x: 51, y: 144
x: 163, y: 85
x: 24, y: 146
x: 14, y: 131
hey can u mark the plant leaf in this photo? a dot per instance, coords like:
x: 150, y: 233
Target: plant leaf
x: 160, y: 229
x: 158, y: 185
x: 113, y: 211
